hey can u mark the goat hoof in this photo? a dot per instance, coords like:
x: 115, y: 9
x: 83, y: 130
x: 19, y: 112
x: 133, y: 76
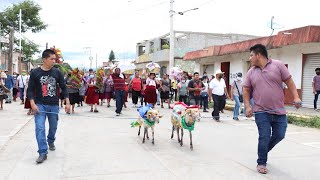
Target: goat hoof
x: 148, y: 138
x: 171, y: 137
x: 181, y: 144
x: 143, y: 141
x: 153, y: 142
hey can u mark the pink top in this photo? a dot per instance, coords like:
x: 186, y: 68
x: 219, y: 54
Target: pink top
x: 266, y: 86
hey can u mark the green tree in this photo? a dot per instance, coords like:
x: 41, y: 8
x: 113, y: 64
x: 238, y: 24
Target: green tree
x: 112, y: 56
x: 31, y: 21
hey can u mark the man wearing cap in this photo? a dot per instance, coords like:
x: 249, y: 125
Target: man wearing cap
x: 218, y: 93
x: 264, y: 80
x: 9, y: 85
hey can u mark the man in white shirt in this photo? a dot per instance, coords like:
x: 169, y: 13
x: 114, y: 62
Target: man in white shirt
x: 21, y: 83
x: 218, y: 93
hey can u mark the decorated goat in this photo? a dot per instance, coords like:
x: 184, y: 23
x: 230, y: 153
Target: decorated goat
x: 148, y: 118
x: 184, y: 117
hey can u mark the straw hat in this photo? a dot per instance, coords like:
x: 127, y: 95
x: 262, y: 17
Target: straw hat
x: 219, y: 72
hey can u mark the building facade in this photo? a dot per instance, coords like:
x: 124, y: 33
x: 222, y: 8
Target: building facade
x: 298, y: 49
x: 157, y: 50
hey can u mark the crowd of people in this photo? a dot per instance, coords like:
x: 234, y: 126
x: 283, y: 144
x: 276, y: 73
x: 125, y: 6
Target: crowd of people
x: 261, y: 92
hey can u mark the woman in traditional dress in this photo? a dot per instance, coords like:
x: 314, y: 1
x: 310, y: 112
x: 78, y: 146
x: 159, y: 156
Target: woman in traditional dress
x: 150, y: 91
x: 108, y: 88
x: 92, y: 92
x: 73, y: 89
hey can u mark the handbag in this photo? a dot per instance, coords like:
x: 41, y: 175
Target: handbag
x: 240, y: 95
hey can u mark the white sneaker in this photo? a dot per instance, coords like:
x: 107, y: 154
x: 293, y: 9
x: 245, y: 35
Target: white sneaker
x: 118, y: 114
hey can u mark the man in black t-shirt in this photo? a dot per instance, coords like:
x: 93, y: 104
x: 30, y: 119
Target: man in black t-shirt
x: 195, y: 86
x: 43, y: 88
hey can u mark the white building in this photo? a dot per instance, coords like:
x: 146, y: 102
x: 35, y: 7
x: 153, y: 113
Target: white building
x: 157, y: 49
x: 298, y: 48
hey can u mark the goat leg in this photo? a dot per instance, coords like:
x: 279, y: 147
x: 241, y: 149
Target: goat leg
x: 172, y: 131
x: 147, y: 134
x: 191, y: 146
x: 178, y: 129
x: 144, y: 135
x: 181, y: 142
x: 139, y: 131
x: 152, y: 128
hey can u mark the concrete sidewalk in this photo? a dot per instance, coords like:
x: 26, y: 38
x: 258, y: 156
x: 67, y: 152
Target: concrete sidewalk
x: 290, y: 110
x: 12, y: 119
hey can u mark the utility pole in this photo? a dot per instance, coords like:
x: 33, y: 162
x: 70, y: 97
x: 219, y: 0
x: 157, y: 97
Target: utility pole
x: 171, y: 52
x: 20, y: 49
x: 1, y: 42
x: 11, y: 41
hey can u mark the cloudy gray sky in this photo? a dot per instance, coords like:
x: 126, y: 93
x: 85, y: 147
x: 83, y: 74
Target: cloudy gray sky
x: 120, y: 24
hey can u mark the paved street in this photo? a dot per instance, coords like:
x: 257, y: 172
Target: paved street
x: 103, y: 146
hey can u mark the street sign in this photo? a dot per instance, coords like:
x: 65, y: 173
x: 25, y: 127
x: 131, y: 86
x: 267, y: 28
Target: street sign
x: 4, y: 40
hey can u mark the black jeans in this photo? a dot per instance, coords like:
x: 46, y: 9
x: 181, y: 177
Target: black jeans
x: 316, y: 99
x: 183, y: 99
x: 204, y: 100
x: 219, y: 104
x: 194, y: 100
x: 175, y: 91
x: 135, y: 96
x: 120, y: 95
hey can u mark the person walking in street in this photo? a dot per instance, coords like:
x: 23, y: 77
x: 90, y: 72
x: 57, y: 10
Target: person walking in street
x: 108, y: 88
x: 265, y: 79
x: 150, y: 93
x: 165, y: 90
x: 92, y: 96
x: 218, y: 93
x: 174, y: 88
x: 136, y: 86
x: 27, y: 104
x: 73, y: 91
x: 316, y: 88
x: 119, y: 88
x: 195, y: 87
x: 14, y: 89
x: 9, y: 85
x: 236, y: 95
x: 204, y: 94
x: 43, y: 94
x: 183, y: 90
x: 3, y: 89
x: 21, y: 83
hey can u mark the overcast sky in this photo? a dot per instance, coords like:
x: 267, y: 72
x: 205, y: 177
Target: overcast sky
x: 120, y: 24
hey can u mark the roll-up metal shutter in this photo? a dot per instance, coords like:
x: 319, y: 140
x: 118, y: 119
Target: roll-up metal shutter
x: 312, y: 62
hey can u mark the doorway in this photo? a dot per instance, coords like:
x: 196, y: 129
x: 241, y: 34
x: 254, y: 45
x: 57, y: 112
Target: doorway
x: 225, y: 67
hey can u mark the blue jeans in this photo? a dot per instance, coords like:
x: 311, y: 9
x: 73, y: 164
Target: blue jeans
x: 120, y: 95
x: 236, y: 106
x: 40, y: 121
x: 204, y: 100
x: 272, y: 129
x: 21, y: 90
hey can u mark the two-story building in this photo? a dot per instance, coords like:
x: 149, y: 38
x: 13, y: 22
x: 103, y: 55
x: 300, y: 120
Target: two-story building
x: 157, y: 49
